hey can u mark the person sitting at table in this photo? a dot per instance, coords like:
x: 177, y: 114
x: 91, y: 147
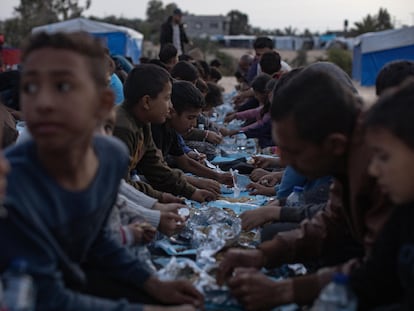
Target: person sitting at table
x: 385, y: 281
x: 56, y: 214
x: 329, y: 143
x: 147, y: 99
x: 206, y: 134
x: 187, y: 103
x: 256, y: 116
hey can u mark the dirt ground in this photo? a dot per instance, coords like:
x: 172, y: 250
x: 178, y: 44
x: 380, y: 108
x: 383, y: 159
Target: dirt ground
x: 367, y: 93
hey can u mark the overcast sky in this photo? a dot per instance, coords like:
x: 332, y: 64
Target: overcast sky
x: 316, y: 15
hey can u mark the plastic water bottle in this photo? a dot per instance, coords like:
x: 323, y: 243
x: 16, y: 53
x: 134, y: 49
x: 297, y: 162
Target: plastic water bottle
x: 19, y: 292
x: 296, y: 197
x: 241, y: 140
x: 336, y: 296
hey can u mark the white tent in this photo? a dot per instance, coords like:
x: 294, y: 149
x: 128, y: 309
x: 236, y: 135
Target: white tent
x: 120, y: 40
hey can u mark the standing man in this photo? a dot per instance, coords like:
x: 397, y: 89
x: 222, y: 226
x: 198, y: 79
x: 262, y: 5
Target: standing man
x: 172, y: 31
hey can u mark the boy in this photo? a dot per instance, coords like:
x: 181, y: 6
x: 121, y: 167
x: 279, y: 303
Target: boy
x: 387, y: 277
x: 64, y: 182
x: 148, y: 100
x: 187, y: 103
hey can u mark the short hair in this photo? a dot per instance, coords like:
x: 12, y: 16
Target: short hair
x: 158, y: 62
x: 185, y: 96
x: 259, y: 83
x: 263, y: 42
x: 144, y: 79
x: 184, y: 71
x: 215, y: 63
x: 270, y: 62
x: 392, y: 74
x: 394, y: 111
x: 185, y: 57
x: 201, y: 85
x: 318, y: 103
x: 167, y: 52
x: 79, y: 42
x: 215, y: 74
x: 206, y: 69
x: 214, y: 95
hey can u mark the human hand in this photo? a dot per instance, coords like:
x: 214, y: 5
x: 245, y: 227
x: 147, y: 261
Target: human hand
x: 229, y: 117
x: 199, y: 157
x: 142, y: 232
x: 207, y: 184
x: 170, y: 223
x: 259, y: 216
x: 202, y: 195
x: 4, y: 169
x: 170, y: 198
x: 258, y: 292
x: 174, y: 292
x: 236, y: 257
x: 169, y: 308
x: 256, y: 188
x: 213, y: 137
x: 225, y: 178
x: 257, y: 173
x: 271, y: 179
x: 168, y: 207
x: 265, y: 162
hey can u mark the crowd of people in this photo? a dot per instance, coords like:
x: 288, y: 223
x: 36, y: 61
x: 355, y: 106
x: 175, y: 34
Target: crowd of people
x: 109, y: 152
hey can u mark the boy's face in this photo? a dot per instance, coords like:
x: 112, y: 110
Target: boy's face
x: 61, y: 102
x: 392, y: 165
x: 158, y: 108
x: 184, y: 122
x: 310, y: 159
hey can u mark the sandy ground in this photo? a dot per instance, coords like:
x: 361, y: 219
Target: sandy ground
x: 367, y: 93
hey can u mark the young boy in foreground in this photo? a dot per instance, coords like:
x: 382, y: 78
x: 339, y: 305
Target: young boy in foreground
x: 64, y: 182
x: 386, y: 278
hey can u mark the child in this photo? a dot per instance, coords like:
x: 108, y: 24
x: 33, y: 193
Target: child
x: 64, y: 182
x: 387, y: 277
x: 187, y: 103
x: 148, y: 100
x: 257, y: 116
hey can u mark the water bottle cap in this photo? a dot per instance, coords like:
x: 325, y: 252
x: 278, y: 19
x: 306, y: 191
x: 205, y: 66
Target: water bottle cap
x: 340, y: 278
x: 297, y: 189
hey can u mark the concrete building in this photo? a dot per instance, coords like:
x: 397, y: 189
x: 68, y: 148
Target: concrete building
x: 203, y: 26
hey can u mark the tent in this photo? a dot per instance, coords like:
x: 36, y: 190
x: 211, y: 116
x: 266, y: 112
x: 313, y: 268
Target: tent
x: 119, y: 40
x: 373, y: 50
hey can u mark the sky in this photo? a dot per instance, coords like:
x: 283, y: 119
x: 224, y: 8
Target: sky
x: 316, y: 15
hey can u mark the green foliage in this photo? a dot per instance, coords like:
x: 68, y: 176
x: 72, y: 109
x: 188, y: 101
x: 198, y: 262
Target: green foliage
x: 32, y: 13
x: 228, y: 63
x: 372, y: 23
x: 239, y: 23
x: 342, y: 58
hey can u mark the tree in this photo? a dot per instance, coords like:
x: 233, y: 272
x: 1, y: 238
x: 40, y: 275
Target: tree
x: 32, y: 13
x: 378, y: 22
x: 290, y: 31
x: 239, y: 23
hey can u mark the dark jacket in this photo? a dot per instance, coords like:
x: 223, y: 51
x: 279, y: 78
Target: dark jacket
x: 387, y: 277
x: 167, y: 34
x: 148, y: 159
x: 356, y: 206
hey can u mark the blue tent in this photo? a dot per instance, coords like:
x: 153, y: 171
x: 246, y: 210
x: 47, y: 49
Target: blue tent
x: 119, y: 40
x: 373, y: 50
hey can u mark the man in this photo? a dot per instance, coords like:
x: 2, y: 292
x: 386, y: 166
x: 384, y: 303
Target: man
x: 316, y: 123
x: 172, y: 31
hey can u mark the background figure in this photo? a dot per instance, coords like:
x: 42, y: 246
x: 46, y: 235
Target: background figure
x: 172, y: 31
